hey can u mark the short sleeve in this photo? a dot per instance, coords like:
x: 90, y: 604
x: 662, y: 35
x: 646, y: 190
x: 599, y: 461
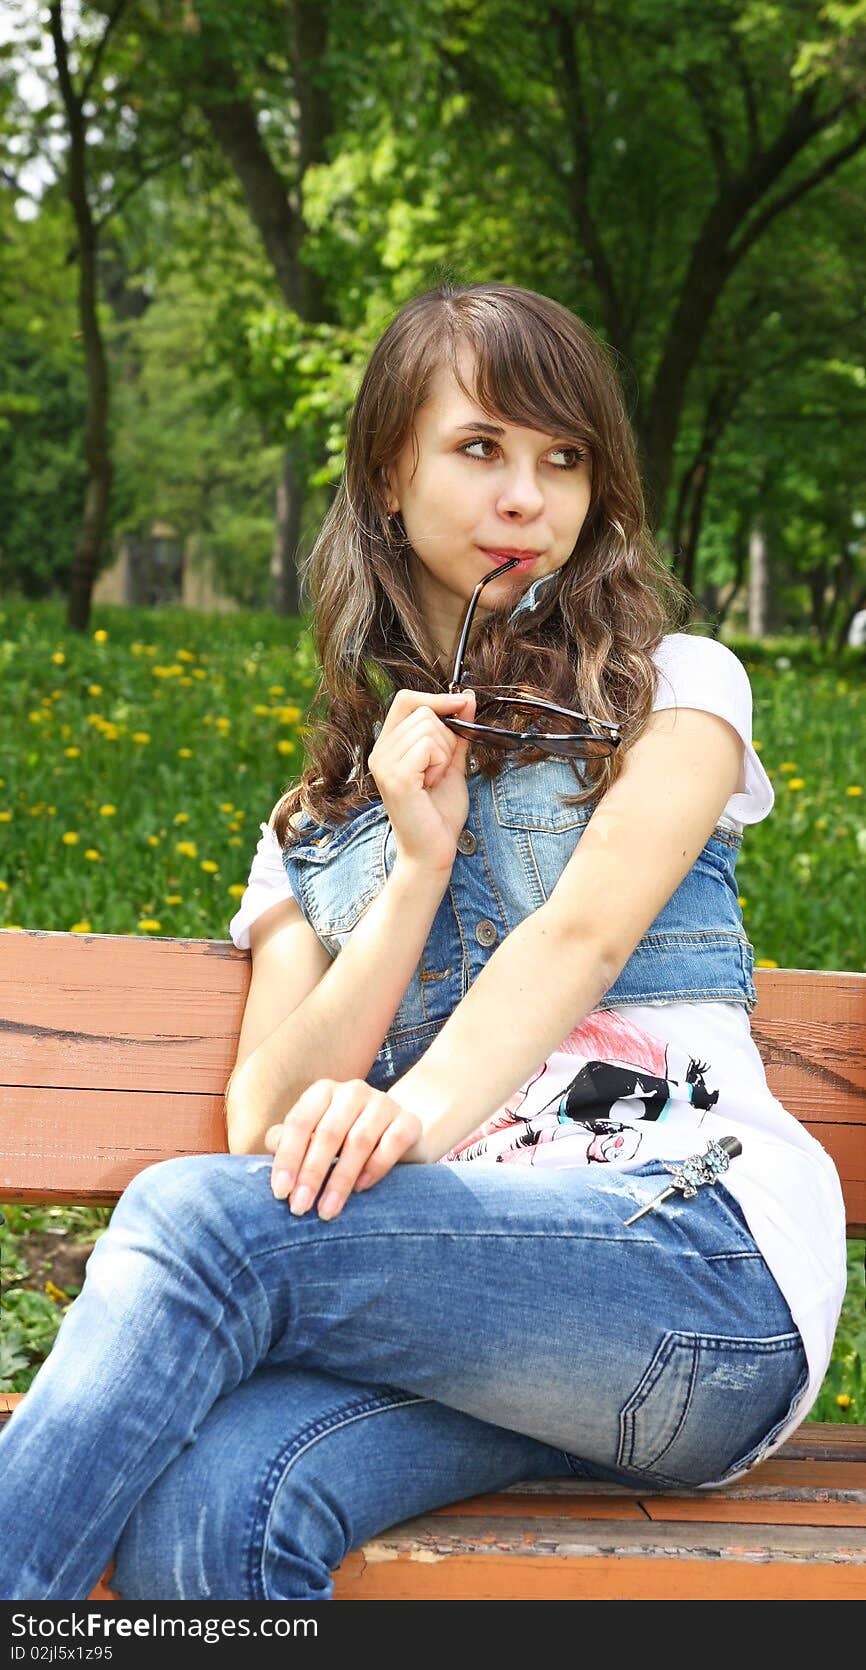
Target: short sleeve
x: 267, y: 885
x: 704, y: 673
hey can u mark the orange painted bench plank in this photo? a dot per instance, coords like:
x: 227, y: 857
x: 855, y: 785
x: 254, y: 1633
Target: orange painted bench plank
x: 480, y: 1577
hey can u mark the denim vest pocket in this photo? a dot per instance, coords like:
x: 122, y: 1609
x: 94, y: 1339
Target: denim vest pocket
x: 338, y: 870
x: 527, y: 806
x: 709, y: 1405
x: 529, y: 797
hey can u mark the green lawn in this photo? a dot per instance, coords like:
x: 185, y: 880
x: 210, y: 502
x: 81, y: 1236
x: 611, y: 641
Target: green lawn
x: 140, y: 759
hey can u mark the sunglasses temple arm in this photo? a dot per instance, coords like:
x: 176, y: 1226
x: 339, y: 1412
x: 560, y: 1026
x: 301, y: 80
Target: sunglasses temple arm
x: 454, y: 686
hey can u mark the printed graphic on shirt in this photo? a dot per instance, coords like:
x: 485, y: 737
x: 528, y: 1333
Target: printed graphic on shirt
x: 593, y: 1103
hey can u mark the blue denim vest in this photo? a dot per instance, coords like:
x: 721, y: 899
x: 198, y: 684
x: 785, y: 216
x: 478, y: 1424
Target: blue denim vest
x: 516, y: 842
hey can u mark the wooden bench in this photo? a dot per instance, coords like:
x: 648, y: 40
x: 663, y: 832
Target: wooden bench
x: 116, y: 1051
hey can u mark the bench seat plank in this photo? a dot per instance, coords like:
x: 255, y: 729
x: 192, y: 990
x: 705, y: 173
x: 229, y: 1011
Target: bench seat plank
x: 504, y: 1574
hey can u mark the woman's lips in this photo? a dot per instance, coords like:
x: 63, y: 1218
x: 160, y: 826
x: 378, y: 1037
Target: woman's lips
x: 525, y: 558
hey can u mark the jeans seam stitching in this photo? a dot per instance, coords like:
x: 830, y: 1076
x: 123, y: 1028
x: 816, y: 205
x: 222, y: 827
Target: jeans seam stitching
x: 299, y: 1445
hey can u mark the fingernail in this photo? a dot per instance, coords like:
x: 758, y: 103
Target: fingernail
x: 281, y: 1183
x: 300, y: 1200
x: 328, y: 1206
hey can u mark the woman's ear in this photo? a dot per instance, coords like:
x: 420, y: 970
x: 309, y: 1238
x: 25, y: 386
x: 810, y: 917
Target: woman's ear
x: 391, y: 504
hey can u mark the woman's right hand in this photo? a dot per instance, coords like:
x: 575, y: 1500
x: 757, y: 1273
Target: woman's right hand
x: 419, y: 768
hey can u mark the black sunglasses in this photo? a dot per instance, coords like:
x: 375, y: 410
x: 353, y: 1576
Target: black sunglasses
x: 587, y: 739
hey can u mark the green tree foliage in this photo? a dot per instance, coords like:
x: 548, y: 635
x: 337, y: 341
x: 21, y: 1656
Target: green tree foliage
x: 689, y: 179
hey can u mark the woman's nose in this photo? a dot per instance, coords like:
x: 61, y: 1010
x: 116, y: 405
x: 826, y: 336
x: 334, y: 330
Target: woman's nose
x: 520, y: 491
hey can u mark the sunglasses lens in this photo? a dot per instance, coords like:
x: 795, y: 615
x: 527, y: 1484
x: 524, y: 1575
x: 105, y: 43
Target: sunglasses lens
x: 568, y: 735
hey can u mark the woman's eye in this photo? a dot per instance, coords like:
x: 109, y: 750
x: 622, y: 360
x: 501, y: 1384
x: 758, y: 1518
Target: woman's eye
x: 574, y: 454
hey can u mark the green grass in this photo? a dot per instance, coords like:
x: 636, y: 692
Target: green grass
x: 139, y: 760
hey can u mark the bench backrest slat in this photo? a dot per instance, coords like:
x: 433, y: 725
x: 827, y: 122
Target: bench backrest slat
x: 116, y: 1051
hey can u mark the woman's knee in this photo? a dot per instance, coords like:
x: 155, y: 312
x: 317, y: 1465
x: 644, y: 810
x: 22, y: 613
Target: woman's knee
x: 189, y: 1196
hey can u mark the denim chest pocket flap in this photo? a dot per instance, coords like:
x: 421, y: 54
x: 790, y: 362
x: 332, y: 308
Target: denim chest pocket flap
x: 529, y: 796
x: 341, y: 868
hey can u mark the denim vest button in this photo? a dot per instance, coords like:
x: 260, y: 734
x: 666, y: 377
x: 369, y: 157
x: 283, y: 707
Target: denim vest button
x: 466, y: 842
x: 485, y: 932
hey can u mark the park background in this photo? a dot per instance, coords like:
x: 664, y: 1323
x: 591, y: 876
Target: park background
x: 208, y: 214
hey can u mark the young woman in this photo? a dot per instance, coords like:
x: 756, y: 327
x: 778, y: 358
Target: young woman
x: 499, y: 1001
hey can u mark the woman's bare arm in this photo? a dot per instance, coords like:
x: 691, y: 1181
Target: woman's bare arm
x: 338, y: 1030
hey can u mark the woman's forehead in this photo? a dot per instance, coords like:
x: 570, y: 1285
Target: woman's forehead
x: 449, y: 409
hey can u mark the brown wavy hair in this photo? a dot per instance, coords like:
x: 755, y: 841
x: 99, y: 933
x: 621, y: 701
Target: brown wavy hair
x: 586, y: 644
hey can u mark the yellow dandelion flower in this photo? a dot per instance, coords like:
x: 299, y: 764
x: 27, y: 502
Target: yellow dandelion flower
x: 141, y: 736
x: 153, y: 840
x: 36, y: 717
x: 58, y: 658
x: 853, y: 788
x: 788, y: 765
x: 235, y: 841
x: 184, y: 753
x: 53, y: 1292
x: 226, y: 806
x: 276, y: 689
x: 149, y: 926
x: 765, y: 962
x: 844, y: 1400
x: 2, y: 782
x: 236, y: 891
x: 209, y: 865
x: 4, y: 887
x: 199, y: 672
x: 70, y: 837
x: 261, y: 710
x: 185, y: 655
x: 174, y: 898
x: 94, y: 689
x: 187, y: 849
x: 284, y: 747
x: 820, y: 823
x: 234, y: 825
x: 181, y: 817
x: 94, y: 854
x: 223, y: 725
x: 12, y: 928
x: 5, y: 817
x: 107, y: 811
x: 757, y: 746
x: 81, y: 928
x: 796, y: 782
x: 72, y: 753
x: 742, y: 902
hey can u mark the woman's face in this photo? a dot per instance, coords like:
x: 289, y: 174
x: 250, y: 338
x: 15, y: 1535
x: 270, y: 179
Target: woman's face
x: 482, y: 486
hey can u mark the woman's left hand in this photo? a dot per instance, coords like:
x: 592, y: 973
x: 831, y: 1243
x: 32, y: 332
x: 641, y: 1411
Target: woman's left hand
x: 368, y: 1130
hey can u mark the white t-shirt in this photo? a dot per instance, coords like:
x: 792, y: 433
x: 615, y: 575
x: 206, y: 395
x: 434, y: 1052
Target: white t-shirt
x: 659, y: 1080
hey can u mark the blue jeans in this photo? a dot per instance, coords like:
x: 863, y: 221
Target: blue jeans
x: 238, y: 1397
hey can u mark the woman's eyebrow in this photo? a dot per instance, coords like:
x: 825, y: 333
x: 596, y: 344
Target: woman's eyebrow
x: 489, y: 429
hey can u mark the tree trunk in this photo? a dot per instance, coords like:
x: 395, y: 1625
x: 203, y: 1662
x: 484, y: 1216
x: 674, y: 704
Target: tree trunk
x: 274, y: 212
x: 88, y: 547
x: 757, y: 584
x: 285, y: 590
